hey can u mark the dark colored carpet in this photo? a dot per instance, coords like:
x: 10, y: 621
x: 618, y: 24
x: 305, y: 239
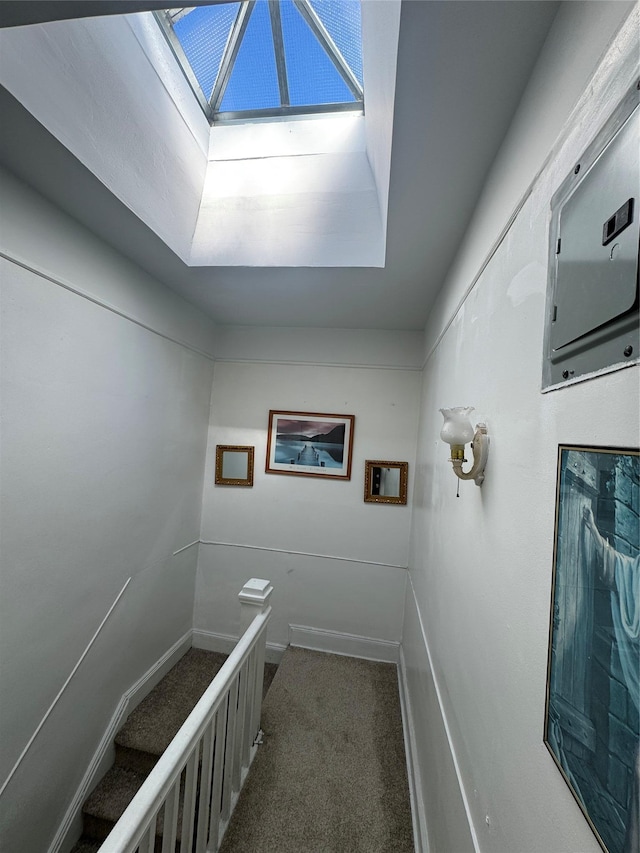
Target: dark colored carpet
x: 331, y: 774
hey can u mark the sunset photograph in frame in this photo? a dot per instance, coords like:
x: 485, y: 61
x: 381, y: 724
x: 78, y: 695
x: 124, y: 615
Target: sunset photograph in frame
x: 310, y: 444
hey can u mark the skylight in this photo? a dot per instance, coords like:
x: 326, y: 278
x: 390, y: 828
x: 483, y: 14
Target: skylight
x: 270, y: 58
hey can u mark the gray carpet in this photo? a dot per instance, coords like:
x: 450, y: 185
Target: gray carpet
x: 331, y: 774
x: 145, y: 735
x: 150, y: 728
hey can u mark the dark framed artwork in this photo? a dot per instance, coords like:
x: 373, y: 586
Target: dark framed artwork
x: 310, y: 444
x: 593, y: 677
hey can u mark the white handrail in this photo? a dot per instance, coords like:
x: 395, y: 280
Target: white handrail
x: 217, y: 720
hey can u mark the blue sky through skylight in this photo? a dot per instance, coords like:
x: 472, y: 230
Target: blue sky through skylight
x: 254, y: 81
x: 343, y: 22
x: 312, y: 78
x: 203, y: 35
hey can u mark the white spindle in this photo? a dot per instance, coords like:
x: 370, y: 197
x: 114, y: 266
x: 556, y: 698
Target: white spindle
x: 227, y: 779
x: 218, y: 772
x: 170, y: 823
x: 248, y: 735
x: 189, y: 804
x: 214, y: 747
x: 205, y: 791
x: 238, y: 748
x: 256, y: 710
x: 147, y: 845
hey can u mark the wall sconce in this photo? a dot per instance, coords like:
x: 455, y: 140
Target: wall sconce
x: 457, y: 431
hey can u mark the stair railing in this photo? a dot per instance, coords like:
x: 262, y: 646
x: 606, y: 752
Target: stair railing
x: 191, y: 792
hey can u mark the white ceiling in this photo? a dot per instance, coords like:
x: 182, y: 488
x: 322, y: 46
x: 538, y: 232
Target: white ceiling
x: 462, y: 68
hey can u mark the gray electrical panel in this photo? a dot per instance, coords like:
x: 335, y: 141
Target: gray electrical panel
x: 592, y: 320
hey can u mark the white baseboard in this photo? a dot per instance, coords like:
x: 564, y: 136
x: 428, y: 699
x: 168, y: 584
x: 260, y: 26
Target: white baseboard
x: 225, y: 643
x: 418, y: 816
x: 71, y: 826
x: 338, y: 643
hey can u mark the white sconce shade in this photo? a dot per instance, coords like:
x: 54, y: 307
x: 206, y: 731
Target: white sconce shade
x: 457, y: 431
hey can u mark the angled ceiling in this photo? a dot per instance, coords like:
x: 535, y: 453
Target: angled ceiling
x: 462, y: 67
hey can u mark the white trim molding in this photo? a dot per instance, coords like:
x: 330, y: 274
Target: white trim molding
x: 412, y: 713
x: 301, y: 554
x: 64, y: 686
x: 58, y: 280
x: 338, y: 643
x: 416, y: 796
x: 211, y: 641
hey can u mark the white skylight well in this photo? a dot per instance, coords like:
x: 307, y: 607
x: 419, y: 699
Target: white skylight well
x: 270, y: 58
x: 293, y: 182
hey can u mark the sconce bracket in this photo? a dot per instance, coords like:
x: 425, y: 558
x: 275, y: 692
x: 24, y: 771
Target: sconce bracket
x: 480, y: 449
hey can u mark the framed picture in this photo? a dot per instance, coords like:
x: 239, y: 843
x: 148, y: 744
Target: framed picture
x: 385, y: 482
x: 234, y: 465
x: 593, y: 677
x: 309, y: 444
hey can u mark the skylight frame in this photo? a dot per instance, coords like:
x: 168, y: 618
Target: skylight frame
x: 211, y: 105
x: 165, y: 18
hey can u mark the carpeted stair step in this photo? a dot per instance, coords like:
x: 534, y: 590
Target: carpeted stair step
x: 150, y: 728
x: 107, y: 803
x: 109, y: 800
x: 86, y: 845
x: 145, y: 735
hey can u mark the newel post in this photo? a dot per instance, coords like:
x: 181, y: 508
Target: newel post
x: 254, y: 599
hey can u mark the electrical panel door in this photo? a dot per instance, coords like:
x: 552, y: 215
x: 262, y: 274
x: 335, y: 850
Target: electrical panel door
x: 592, y: 301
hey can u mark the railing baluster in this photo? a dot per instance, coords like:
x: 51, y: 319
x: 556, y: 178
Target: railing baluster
x: 189, y: 804
x: 205, y: 790
x: 170, y: 822
x: 226, y: 717
x: 227, y: 783
x: 247, y: 736
x: 218, y: 771
x: 238, y: 742
x: 148, y: 842
x: 256, y: 709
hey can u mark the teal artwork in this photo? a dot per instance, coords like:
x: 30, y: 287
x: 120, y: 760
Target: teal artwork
x: 593, y: 683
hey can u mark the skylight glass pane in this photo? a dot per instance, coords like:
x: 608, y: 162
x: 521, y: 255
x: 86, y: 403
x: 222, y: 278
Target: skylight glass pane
x: 342, y: 19
x: 203, y: 34
x: 253, y: 84
x: 313, y: 78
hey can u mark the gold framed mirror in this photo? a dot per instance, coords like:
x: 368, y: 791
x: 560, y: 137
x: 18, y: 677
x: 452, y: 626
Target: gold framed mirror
x: 234, y: 465
x: 385, y: 482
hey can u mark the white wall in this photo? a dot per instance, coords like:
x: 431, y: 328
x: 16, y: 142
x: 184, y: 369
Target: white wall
x: 380, y: 32
x: 477, y: 616
x: 94, y: 84
x: 103, y: 441
x: 110, y: 90
x: 337, y: 564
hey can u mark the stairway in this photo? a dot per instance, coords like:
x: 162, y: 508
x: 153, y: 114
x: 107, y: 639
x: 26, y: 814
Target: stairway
x: 145, y: 735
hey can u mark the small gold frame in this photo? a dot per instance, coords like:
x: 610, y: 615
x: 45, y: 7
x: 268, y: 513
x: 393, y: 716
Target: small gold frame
x: 396, y: 475
x: 229, y: 465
